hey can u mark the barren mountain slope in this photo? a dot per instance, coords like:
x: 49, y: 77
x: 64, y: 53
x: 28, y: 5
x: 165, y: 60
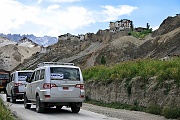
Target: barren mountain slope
x: 120, y: 49
x: 5, y: 41
x: 169, y: 24
x: 162, y: 46
x: 12, y: 55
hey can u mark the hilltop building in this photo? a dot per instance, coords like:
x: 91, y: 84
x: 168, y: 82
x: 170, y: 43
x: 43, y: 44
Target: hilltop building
x: 120, y: 25
x: 68, y: 36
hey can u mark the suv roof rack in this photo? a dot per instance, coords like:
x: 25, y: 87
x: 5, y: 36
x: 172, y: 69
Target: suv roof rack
x: 53, y: 63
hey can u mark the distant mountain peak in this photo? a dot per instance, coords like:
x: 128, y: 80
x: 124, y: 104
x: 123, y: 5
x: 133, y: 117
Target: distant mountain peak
x: 42, y: 41
x: 4, y: 41
x: 26, y: 42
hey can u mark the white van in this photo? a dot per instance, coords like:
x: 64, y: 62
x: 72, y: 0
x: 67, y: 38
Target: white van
x: 55, y: 84
x: 15, y: 87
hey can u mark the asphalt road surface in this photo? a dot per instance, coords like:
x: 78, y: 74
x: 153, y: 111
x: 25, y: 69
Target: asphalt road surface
x: 88, y: 112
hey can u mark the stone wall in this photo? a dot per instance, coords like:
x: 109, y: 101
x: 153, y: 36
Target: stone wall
x: 135, y: 91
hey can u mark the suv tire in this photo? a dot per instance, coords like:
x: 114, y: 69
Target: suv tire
x: 5, y: 91
x: 39, y: 108
x: 26, y: 101
x: 75, y: 109
x: 7, y: 98
x: 12, y: 98
x: 58, y: 106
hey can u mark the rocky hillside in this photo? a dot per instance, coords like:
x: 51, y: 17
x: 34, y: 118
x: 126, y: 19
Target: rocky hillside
x: 168, y: 25
x: 141, y: 93
x: 12, y: 53
x: 4, y: 41
x: 115, y: 47
x: 44, y: 41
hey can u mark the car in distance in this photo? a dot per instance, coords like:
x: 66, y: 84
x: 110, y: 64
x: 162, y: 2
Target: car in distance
x: 15, y: 87
x: 55, y: 84
x: 4, y: 79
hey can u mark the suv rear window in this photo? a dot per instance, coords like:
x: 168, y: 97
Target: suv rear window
x: 59, y: 73
x: 4, y: 76
x: 23, y: 75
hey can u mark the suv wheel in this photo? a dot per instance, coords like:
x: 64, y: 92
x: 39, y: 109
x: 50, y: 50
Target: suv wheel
x: 58, y: 106
x: 26, y: 101
x: 39, y: 108
x: 75, y: 109
x: 7, y: 98
x: 12, y: 98
x: 5, y: 91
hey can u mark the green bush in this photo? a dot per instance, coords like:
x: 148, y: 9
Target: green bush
x: 103, y: 60
x: 171, y: 112
x: 140, y: 34
x: 154, y: 109
x: 5, y: 114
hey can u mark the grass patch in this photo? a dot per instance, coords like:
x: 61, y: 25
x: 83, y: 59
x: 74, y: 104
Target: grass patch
x: 140, y: 35
x: 171, y: 112
x: 115, y: 105
x: 5, y: 114
x: 165, y: 70
x: 154, y: 109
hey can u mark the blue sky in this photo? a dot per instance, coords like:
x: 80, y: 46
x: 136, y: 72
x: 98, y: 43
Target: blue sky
x: 57, y: 17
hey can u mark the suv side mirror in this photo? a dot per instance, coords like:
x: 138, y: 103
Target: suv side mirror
x: 28, y: 79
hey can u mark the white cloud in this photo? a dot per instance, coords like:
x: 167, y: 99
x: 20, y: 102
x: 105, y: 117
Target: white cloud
x: 53, y: 7
x: 155, y: 28
x: 61, y: 1
x: 52, y: 20
x: 112, y: 13
x: 39, y: 1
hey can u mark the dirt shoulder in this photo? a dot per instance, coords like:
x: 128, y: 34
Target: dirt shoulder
x: 122, y: 114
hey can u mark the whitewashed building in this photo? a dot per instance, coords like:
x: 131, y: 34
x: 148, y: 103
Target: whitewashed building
x: 120, y: 25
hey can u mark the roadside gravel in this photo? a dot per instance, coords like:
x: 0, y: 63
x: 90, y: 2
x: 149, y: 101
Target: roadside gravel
x: 122, y: 114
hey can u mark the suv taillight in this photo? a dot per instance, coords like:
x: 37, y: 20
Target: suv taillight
x: 49, y: 85
x: 17, y: 84
x: 81, y: 86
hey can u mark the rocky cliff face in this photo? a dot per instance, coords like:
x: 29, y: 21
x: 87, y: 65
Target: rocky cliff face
x: 135, y: 92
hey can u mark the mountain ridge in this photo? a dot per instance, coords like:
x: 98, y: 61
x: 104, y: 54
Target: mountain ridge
x: 42, y: 41
x: 14, y: 53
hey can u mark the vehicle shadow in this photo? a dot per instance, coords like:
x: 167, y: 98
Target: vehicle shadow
x: 19, y: 102
x: 54, y: 110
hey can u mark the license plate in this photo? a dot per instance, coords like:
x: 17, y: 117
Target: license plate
x: 65, y: 88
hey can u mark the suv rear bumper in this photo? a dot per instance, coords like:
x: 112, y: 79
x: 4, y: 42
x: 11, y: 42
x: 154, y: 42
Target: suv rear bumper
x: 55, y: 99
x: 19, y: 95
x: 70, y: 104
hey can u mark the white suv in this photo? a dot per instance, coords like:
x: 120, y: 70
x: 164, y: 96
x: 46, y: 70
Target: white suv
x: 15, y: 87
x: 55, y: 84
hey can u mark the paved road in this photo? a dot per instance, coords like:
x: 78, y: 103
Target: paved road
x: 88, y: 112
x: 52, y: 114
